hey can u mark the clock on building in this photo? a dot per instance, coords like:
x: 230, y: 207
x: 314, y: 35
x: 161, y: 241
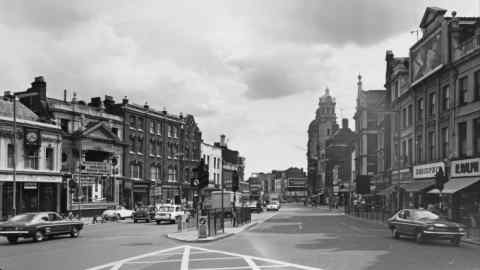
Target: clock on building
x: 31, y: 137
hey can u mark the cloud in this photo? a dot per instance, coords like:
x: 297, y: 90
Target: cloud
x: 283, y: 71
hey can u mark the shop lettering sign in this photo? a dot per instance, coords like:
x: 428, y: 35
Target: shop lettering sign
x: 427, y: 170
x: 28, y: 185
x: 466, y: 167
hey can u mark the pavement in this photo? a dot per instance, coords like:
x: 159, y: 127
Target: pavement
x: 191, y: 236
x: 296, y: 237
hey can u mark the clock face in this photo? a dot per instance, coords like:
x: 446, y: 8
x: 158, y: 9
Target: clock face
x: 32, y: 137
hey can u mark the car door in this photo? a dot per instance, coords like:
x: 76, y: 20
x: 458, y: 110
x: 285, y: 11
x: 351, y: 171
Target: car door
x: 400, y: 222
x: 52, y: 226
x: 410, y: 223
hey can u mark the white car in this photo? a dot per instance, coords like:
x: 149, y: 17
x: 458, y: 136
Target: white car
x: 273, y: 206
x: 169, y: 213
x: 117, y: 212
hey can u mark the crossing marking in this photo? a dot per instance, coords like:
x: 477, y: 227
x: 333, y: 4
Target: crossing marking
x: 186, y: 260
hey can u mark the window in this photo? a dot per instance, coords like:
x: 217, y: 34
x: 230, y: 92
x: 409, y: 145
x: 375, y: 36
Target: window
x: 431, y: 145
x: 10, y: 155
x: 433, y: 102
x: 476, y: 132
x: 396, y: 89
x: 159, y: 128
x: 140, y: 123
x: 136, y: 170
x: 404, y: 117
x: 420, y: 109
x: 462, y: 88
x: 159, y: 148
x: 49, y: 158
x: 171, y: 174
x: 446, y: 97
x: 133, y: 122
x: 64, y: 123
x: 175, y: 132
x: 169, y: 130
x: 31, y: 158
x: 133, y: 147
x: 477, y: 85
x: 154, y: 172
x: 409, y: 115
x: 404, y: 152
x: 445, y: 147
x: 462, y: 139
x: 153, y: 149
x: 419, y: 148
x: 152, y: 127
x: 140, y: 145
x: 115, y: 131
x: 409, y: 150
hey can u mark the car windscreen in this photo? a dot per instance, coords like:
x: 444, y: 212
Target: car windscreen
x: 22, y: 218
x: 165, y: 209
x: 425, y: 215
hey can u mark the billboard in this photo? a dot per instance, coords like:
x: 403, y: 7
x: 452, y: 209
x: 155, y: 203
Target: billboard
x: 426, y: 57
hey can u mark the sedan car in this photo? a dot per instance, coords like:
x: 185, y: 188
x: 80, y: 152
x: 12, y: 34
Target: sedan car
x: 423, y: 225
x: 169, y: 213
x: 255, y: 207
x: 146, y: 214
x: 117, y: 212
x: 273, y: 206
x: 38, y: 226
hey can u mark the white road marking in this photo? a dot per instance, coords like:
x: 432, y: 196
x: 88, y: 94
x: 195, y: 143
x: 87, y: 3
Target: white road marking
x: 185, y: 258
x: 187, y: 250
x: 251, y: 263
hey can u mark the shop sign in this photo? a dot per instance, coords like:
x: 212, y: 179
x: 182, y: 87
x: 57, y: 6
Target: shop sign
x: 427, y: 170
x: 465, y: 167
x: 296, y: 182
x: 92, y: 167
x: 28, y: 185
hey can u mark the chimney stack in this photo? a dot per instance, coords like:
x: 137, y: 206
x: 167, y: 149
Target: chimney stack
x: 344, y: 123
x: 125, y: 100
x: 65, y: 95
x: 222, y: 140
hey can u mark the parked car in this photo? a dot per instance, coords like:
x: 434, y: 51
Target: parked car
x: 117, y: 212
x: 423, y: 225
x: 145, y: 213
x: 273, y: 206
x: 255, y: 207
x: 169, y: 213
x: 38, y: 226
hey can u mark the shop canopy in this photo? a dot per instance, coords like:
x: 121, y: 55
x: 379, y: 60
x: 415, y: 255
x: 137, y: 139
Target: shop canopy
x: 386, y: 191
x: 455, y: 185
x: 418, y: 186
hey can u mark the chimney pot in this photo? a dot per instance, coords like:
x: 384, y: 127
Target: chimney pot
x: 125, y: 100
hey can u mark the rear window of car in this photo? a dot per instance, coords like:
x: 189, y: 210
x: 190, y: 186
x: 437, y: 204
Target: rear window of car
x: 23, y: 218
x: 165, y: 209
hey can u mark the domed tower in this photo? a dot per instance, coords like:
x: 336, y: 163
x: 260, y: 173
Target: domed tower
x: 320, y: 129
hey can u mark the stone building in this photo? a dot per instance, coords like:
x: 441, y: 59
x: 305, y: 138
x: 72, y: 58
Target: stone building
x: 319, y: 130
x: 212, y: 155
x: 37, y: 162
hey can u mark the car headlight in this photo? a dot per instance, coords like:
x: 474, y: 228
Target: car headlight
x: 460, y: 229
x: 430, y: 228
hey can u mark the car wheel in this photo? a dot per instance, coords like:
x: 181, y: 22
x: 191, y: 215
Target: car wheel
x: 158, y: 222
x: 395, y: 233
x: 12, y: 239
x: 134, y: 221
x: 148, y: 220
x: 74, y: 232
x: 39, y: 236
x: 419, y: 237
x: 455, y: 241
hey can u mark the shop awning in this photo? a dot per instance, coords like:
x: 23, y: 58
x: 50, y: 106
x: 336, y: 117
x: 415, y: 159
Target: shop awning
x: 455, y: 185
x: 418, y: 186
x: 386, y: 191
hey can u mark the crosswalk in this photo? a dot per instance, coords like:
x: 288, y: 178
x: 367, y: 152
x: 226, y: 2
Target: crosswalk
x: 197, y: 258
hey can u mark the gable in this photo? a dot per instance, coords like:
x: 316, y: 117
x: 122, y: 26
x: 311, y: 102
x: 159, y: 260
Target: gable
x: 430, y: 14
x: 100, y: 134
x: 99, y: 131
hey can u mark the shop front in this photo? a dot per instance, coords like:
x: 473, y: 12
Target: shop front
x: 141, y: 193
x: 33, y: 193
x: 169, y: 192
x: 460, y: 196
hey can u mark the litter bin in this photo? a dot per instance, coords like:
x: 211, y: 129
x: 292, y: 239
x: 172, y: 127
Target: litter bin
x: 202, y: 227
x: 179, y: 220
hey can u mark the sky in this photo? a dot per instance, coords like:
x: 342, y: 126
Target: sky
x: 252, y: 70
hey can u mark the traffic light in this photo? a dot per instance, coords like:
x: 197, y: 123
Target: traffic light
x: 363, y: 184
x: 201, y: 179
x: 440, y: 179
x: 235, y: 181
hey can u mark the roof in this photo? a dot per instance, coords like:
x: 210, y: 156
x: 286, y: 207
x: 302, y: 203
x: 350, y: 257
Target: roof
x: 6, y: 110
x: 418, y: 185
x: 430, y: 14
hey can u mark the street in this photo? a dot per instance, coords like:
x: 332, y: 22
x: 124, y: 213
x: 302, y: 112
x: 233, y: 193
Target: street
x: 297, y: 237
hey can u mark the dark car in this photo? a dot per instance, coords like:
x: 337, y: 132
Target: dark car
x: 255, y: 207
x: 145, y: 213
x: 423, y: 225
x: 38, y: 226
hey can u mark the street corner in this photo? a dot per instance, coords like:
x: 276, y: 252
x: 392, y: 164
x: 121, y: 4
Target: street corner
x: 197, y: 258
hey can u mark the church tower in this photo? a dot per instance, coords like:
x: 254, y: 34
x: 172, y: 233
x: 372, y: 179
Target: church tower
x: 320, y: 129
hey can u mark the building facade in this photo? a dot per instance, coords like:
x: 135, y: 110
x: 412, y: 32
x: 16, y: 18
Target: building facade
x: 38, y: 148
x: 319, y: 130
x: 212, y: 155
